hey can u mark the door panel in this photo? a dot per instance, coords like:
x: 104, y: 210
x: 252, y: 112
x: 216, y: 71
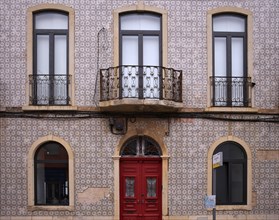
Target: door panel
x: 141, y: 189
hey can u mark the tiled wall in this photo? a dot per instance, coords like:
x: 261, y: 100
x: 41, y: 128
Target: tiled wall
x: 187, y: 49
x: 93, y: 144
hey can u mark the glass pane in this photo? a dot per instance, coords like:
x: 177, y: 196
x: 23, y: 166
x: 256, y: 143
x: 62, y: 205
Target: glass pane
x: 231, y: 150
x: 151, y: 50
x: 43, y: 54
x: 51, y: 151
x: 237, y: 183
x: 130, y: 187
x: 130, y: 149
x: 52, y: 175
x: 130, y: 50
x: 237, y: 71
x: 140, y: 22
x: 51, y: 20
x: 60, y: 54
x: 237, y: 57
x: 228, y: 23
x: 220, y: 71
x: 220, y: 53
x: 60, y: 68
x: 151, y: 149
x: 151, y: 186
x: 42, y: 79
x: 130, y: 73
x: 151, y: 74
x: 222, y: 185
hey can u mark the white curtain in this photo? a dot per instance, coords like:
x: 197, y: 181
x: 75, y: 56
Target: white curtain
x: 130, y: 74
x: 51, y: 21
x: 151, y: 74
x: 140, y: 22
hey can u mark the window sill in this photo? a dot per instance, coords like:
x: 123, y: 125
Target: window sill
x: 49, y: 108
x: 232, y: 109
x: 233, y: 207
x: 50, y: 208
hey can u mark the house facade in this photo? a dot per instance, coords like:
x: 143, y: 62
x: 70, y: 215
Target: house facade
x: 115, y: 109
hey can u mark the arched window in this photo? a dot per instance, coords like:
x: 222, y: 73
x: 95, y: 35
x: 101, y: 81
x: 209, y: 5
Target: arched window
x: 50, y: 66
x: 231, y: 178
x: 230, y: 60
x: 51, y: 175
x: 140, y: 54
x: 141, y: 146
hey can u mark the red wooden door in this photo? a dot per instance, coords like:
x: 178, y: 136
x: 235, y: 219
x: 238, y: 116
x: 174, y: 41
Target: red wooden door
x: 140, y: 189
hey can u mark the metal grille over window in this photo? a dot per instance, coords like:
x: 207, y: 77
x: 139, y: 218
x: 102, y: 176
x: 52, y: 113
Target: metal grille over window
x: 151, y: 186
x: 130, y: 187
x: 141, y: 146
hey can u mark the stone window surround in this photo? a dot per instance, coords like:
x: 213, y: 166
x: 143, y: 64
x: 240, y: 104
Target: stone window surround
x: 249, y: 172
x: 249, y: 15
x: 31, y: 173
x: 29, y: 60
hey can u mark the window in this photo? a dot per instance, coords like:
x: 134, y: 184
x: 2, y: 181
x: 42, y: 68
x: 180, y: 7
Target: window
x: 51, y: 175
x: 231, y: 178
x: 140, y: 55
x: 141, y: 146
x: 230, y: 81
x: 50, y: 77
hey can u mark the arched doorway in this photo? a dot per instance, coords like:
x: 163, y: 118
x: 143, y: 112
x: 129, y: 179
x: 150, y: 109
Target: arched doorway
x: 140, y: 179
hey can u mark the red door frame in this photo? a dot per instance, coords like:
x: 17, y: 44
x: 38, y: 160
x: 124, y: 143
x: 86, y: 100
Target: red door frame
x: 141, y: 206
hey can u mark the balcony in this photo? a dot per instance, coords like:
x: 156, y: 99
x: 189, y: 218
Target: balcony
x: 140, y: 88
x: 49, y: 90
x: 231, y: 91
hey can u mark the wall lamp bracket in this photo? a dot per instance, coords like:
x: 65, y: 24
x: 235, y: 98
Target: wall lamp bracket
x: 118, y: 125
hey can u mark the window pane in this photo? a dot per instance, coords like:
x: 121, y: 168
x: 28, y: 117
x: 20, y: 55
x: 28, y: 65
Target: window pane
x: 237, y: 183
x: 228, y: 23
x: 151, y: 186
x: 222, y: 185
x: 151, y: 50
x: 220, y: 51
x: 60, y: 54
x: 60, y: 68
x: 130, y: 74
x: 130, y: 50
x: 51, y: 163
x: 140, y: 22
x: 130, y: 187
x: 237, y: 57
x: 231, y: 150
x: 42, y: 79
x: 151, y: 149
x: 151, y: 74
x: 43, y: 54
x: 130, y: 148
x: 51, y: 20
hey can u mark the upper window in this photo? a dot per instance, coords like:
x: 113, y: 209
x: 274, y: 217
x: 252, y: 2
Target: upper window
x: 230, y: 81
x: 231, y: 178
x: 140, y: 55
x: 50, y: 78
x: 51, y: 175
x: 141, y: 146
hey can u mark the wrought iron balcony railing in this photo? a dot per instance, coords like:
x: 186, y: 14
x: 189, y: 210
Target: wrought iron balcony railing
x: 141, y: 82
x: 48, y: 89
x: 231, y: 91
